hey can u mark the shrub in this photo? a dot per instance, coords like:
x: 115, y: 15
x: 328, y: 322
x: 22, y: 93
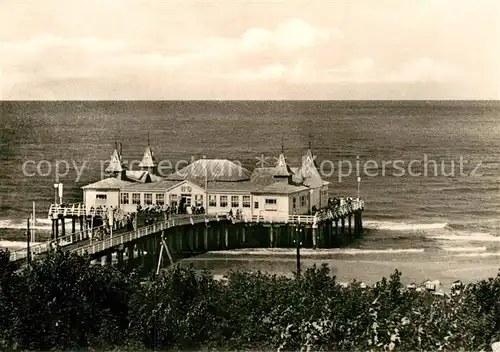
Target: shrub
x: 62, y: 302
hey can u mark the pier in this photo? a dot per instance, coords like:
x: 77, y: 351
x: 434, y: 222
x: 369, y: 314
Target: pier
x: 163, y: 242
x: 209, y: 205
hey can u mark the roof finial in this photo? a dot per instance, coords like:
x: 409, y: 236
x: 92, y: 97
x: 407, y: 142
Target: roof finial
x: 148, y: 139
x: 282, y: 146
x: 310, y: 143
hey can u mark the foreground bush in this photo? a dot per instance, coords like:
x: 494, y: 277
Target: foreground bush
x: 63, y: 303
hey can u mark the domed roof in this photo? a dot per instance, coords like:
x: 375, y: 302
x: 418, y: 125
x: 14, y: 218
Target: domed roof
x: 220, y: 170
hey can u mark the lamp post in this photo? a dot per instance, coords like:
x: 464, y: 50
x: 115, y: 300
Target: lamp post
x: 28, y: 250
x: 56, y: 191
x: 359, y: 183
x: 298, y: 231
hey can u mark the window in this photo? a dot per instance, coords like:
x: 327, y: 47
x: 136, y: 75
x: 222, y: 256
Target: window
x: 212, y: 200
x: 256, y: 205
x: 198, y: 199
x: 173, y: 198
x: 246, y: 201
x: 235, y: 201
x: 148, y: 198
x: 160, y: 199
x: 271, y: 204
x: 303, y: 201
x: 124, y: 199
x: 136, y: 198
x: 223, y: 201
x: 101, y: 196
x: 294, y: 203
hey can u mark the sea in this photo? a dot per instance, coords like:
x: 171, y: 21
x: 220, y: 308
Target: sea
x: 428, y: 171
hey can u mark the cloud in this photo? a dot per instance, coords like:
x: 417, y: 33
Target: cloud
x: 293, y: 34
x: 199, y: 49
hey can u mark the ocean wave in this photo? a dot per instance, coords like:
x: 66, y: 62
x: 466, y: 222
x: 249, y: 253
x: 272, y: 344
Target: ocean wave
x: 464, y: 249
x: 402, y: 226
x: 468, y: 236
x: 489, y: 224
x: 307, y: 251
x: 16, y: 244
x: 41, y: 224
x: 470, y: 255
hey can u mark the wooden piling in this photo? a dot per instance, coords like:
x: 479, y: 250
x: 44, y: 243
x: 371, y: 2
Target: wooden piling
x: 130, y: 256
x: 226, y: 236
x: 119, y: 257
x: 56, y: 232
x: 205, y: 238
x: 349, y: 222
x: 63, y: 224
x: 271, y: 236
x: 314, y: 236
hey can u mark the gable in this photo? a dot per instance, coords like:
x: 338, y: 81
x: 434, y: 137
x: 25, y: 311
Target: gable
x: 189, y: 187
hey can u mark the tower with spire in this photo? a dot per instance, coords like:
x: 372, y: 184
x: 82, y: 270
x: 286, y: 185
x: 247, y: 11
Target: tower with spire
x: 148, y: 162
x: 282, y: 172
x: 116, y: 167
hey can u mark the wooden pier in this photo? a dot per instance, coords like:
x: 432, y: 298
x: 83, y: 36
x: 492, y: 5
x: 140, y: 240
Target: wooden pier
x: 155, y: 245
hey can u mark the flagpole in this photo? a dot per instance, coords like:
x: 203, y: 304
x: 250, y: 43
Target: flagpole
x: 33, y: 224
x: 206, y: 189
x: 359, y: 182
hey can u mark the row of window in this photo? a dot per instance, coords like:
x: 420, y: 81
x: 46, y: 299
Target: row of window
x: 160, y: 199
x: 223, y: 201
x: 303, y: 202
x: 212, y: 200
x: 148, y: 198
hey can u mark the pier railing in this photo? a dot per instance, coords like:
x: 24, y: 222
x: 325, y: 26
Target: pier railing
x: 96, y: 246
x: 77, y: 209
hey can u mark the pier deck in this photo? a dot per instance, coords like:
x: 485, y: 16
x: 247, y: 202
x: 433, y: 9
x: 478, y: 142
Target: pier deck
x: 182, y: 227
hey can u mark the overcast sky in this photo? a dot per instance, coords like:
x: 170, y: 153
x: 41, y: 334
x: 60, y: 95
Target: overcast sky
x: 236, y: 49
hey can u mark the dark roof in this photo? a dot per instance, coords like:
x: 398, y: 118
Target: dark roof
x: 241, y: 186
x: 279, y: 188
x: 138, y: 176
x: 108, y: 183
x: 157, y: 186
x: 220, y: 170
x: 263, y: 176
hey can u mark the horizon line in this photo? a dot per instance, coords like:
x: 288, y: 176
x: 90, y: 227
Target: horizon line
x: 241, y: 100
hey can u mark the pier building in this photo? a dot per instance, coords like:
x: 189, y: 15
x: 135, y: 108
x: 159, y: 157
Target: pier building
x: 275, y: 207
x: 217, y: 185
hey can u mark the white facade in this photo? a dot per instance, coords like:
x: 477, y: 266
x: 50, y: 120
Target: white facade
x: 299, y: 203
x: 101, y: 197
x: 224, y: 201
x: 279, y: 198
x: 271, y: 205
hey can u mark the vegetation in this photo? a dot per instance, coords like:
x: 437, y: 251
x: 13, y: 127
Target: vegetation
x: 64, y: 303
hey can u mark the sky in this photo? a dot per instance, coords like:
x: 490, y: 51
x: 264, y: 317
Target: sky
x: 249, y: 50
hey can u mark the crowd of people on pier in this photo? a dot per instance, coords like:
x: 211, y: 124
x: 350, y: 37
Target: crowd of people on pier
x: 115, y: 219
x: 337, y: 207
